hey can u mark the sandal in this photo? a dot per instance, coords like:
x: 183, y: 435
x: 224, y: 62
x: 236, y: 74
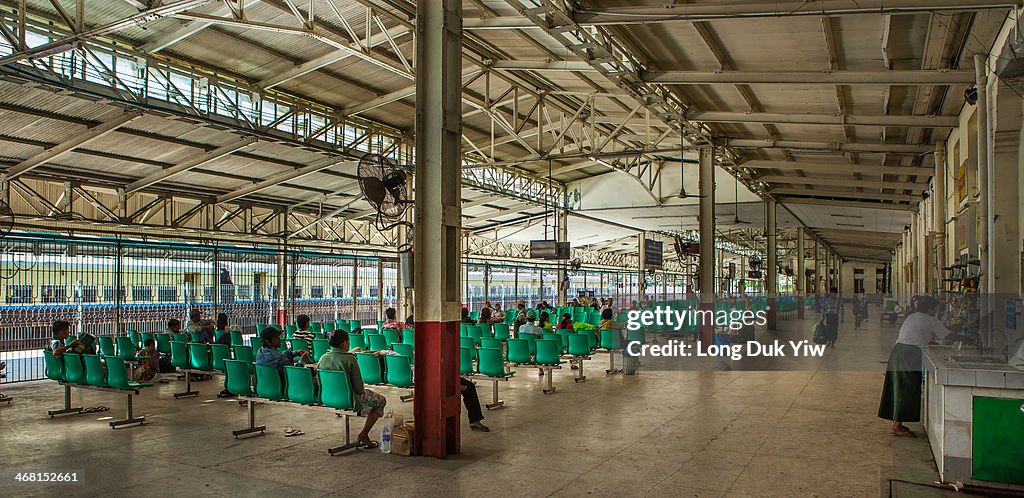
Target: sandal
x: 289, y: 431
x: 368, y: 444
x: 906, y: 433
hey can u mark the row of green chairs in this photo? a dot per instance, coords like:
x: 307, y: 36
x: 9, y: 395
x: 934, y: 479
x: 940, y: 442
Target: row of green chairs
x: 96, y: 372
x: 335, y: 392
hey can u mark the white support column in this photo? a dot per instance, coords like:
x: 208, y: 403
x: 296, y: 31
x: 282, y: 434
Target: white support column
x: 562, y: 231
x: 939, y: 216
x: 801, y: 278
x: 438, y: 224
x: 772, y: 273
x: 706, y: 220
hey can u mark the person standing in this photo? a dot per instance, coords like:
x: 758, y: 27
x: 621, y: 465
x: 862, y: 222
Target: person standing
x: 829, y: 309
x: 901, y: 392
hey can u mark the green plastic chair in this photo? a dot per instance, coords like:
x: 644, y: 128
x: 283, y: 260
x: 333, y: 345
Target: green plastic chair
x: 219, y: 353
x: 501, y: 331
x: 94, y: 374
x: 193, y: 336
x: 125, y: 348
x: 462, y: 328
x: 476, y: 332
x: 335, y: 390
x: 236, y: 377
x: 357, y: 341
x: 391, y: 336
x: 491, y: 343
x: 268, y: 383
x: 245, y: 355
x: 467, y: 342
x: 236, y: 338
x: 557, y: 338
x: 466, y: 361
x: 298, y: 345
x: 369, y: 368
x: 179, y: 337
x: 548, y: 352
x: 163, y: 343
x: 136, y: 339
x: 74, y: 372
x: 492, y: 364
x: 54, y: 367
x: 406, y: 350
x: 399, y: 370
x: 377, y: 342
x: 591, y: 337
x: 199, y: 357
x: 519, y: 351
x: 317, y: 327
x: 106, y: 345
x: 179, y: 355
x: 328, y: 327
x: 300, y: 385
x: 578, y: 345
x: 409, y: 336
x: 255, y: 343
x: 611, y: 340
x: 217, y: 334
x: 320, y: 348
x: 342, y: 325
x: 117, y: 375
x: 354, y: 324
x: 635, y: 335
x: 289, y: 331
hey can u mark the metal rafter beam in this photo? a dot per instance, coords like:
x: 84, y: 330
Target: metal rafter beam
x: 843, y: 182
x: 838, y: 148
x: 728, y: 9
x: 866, y: 169
x: 320, y: 165
x: 190, y: 163
x: 138, y: 19
x: 186, y: 29
x: 787, y: 200
x: 845, y: 194
x: 841, y: 77
x: 332, y: 57
x: 825, y: 119
x: 65, y: 147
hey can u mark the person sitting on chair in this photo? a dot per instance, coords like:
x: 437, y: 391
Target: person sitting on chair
x: 302, y: 332
x: 370, y: 404
x: 61, y: 330
x: 270, y: 355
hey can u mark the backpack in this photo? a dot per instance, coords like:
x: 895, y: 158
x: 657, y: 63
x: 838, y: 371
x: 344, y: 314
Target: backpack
x: 820, y: 334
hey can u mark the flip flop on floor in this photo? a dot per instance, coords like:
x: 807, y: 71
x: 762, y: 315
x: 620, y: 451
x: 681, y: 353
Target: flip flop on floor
x: 369, y: 444
x: 295, y: 432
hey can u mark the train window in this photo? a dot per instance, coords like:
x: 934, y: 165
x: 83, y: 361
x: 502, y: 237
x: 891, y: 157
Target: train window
x: 89, y: 294
x: 244, y: 292
x: 19, y: 294
x: 54, y: 293
x: 142, y: 293
x: 108, y: 293
x: 373, y: 291
x: 337, y: 291
x: 316, y: 292
x: 167, y: 293
x: 296, y: 292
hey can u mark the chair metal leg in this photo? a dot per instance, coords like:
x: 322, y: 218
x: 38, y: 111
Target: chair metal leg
x: 252, y: 423
x: 550, y: 389
x: 189, y: 393
x: 579, y: 373
x: 496, y: 403
x: 67, y: 405
x: 348, y: 444
x: 128, y: 418
x: 611, y: 364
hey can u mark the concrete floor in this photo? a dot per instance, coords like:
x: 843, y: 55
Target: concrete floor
x: 660, y: 433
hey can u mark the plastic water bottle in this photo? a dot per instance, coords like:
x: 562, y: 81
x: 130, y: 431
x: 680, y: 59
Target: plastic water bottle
x: 385, y: 435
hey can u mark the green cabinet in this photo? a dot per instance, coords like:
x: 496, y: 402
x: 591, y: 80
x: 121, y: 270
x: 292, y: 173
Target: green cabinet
x: 998, y: 451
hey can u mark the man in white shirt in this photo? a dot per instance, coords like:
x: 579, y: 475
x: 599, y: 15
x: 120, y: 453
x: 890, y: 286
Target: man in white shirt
x: 901, y: 393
